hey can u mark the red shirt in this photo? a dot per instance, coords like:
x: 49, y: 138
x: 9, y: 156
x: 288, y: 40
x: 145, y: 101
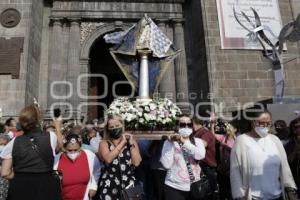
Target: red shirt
x: 209, y: 138
x: 76, y: 175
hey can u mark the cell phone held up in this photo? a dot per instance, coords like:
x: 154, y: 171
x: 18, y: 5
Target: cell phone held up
x: 56, y: 112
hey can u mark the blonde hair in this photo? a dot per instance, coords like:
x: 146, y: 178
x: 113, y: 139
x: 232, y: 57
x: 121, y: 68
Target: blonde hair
x: 230, y: 130
x: 112, y: 117
x: 29, y: 117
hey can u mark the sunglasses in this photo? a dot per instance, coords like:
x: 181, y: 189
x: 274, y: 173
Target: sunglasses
x: 183, y: 125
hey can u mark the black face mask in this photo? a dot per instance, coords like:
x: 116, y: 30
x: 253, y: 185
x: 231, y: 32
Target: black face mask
x: 115, y: 133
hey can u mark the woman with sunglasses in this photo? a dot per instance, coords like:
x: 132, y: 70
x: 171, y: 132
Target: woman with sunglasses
x: 176, y: 150
x: 258, y: 164
x: 79, y: 168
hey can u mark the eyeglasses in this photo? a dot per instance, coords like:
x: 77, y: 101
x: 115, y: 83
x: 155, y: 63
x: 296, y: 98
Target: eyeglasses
x: 264, y: 124
x: 73, y: 151
x: 183, y: 125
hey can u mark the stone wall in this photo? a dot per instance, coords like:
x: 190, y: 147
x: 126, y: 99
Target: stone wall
x: 240, y: 76
x: 34, y: 51
x: 12, y: 91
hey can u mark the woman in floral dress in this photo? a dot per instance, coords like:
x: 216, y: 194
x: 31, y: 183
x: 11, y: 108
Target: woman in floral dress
x: 120, y: 154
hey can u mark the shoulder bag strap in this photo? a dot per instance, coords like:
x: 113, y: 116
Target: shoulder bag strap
x: 188, y: 164
x: 35, y: 148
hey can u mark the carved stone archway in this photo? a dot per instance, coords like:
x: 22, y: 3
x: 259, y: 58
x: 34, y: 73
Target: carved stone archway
x: 88, y: 37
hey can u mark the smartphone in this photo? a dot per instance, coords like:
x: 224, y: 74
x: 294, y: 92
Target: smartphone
x: 56, y: 112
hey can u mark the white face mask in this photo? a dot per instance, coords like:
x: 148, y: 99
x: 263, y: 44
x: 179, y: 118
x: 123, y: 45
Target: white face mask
x: 73, y: 155
x: 185, y: 132
x: 262, y: 131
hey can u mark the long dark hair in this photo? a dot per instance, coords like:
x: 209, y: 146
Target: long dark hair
x: 292, y: 127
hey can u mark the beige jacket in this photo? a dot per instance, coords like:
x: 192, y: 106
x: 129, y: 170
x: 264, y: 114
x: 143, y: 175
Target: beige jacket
x: 240, y: 170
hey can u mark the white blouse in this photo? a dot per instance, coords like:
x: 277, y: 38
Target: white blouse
x: 265, y: 163
x: 172, y: 159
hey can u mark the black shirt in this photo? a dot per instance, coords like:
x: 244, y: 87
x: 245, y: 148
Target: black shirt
x: 32, y: 152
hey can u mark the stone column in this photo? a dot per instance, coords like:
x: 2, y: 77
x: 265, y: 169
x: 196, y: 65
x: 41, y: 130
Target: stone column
x: 167, y: 84
x: 56, y: 62
x: 181, y: 67
x: 73, y: 70
x: 83, y: 88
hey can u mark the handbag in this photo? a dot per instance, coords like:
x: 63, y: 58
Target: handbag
x: 131, y: 192
x: 199, y: 189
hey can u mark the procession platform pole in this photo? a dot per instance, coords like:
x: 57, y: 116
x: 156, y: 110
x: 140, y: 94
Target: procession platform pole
x: 151, y: 135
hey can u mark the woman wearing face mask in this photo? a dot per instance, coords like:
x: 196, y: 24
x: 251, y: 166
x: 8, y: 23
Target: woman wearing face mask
x: 78, y: 167
x: 120, y: 154
x: 259, y: 168
x: 175, y: 152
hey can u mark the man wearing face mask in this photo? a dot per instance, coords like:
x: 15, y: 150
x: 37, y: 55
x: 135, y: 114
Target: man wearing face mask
x: 258, y: 164
x: 79, y: 168
x: 177, y: 150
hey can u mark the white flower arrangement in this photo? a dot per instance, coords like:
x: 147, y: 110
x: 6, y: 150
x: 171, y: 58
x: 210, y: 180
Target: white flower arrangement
x: 158, y: 114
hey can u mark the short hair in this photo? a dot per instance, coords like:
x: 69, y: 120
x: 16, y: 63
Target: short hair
x: 8, y: 121
x: 198, y: 121
x: 260, y: 113
x: 29, y: 117
x: 280, y: 123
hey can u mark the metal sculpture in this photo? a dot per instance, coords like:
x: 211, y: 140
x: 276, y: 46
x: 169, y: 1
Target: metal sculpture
x: 290, y: 32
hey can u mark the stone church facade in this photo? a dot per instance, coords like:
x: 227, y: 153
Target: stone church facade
x: 56, y: 52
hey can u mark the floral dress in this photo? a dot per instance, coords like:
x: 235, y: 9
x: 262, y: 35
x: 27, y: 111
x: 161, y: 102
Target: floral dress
x: 3, y: 188
x: 110, y: 181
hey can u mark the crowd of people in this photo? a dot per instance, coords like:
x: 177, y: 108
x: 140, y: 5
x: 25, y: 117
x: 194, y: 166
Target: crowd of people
x: 102, y: 161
